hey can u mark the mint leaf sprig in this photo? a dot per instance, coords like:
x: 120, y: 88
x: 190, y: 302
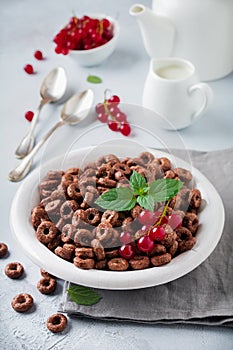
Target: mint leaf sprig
x: 124, y: 198
x: 83, y: 295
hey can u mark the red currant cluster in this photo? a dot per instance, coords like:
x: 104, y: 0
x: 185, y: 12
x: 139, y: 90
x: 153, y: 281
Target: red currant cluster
x: 110, y: 113
x: 83, y: 34
x: 151, y: 232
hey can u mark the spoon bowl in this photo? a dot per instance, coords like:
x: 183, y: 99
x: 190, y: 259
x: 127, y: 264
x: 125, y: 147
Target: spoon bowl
x: 54, y: 85
x: 73, y: 112
x: 52, y: 89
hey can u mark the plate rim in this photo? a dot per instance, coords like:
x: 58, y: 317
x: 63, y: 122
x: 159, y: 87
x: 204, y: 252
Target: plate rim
x: 114, y: 280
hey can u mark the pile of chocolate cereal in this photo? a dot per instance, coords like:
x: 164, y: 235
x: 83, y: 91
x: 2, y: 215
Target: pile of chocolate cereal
x: 70, y: 224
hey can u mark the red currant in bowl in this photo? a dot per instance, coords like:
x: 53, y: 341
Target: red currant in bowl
x: 147, y: 217
x: 175, y: 221
x: 89, y: 39
x: 157, y: 233
x: 127, y: 251
x: 145, y: 244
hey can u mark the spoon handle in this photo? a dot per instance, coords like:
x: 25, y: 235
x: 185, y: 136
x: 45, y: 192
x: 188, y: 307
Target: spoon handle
x: 27, y: 142
x: 23, y: 168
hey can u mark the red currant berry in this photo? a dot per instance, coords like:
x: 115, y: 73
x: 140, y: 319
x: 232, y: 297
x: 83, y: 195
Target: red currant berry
x: 125, y: 237
x: 121, y: 117
x: 162, y: 221
x: 113, y: 125
x: 157, y: 233
x: 106, y: 23
x: 29, y: 69
x: 145, y: 244
x: 146, y: 217
x: 145, y: 228
x: 114, y: 99
x: 125, y: 129
x: 65, y: 51
x: 127, y: 251
x: 175, y: 221
x: 29, y: 115
x: 99, y: 108
x: 38, y: 55
x: 114, y: 110
x: 102, y: 117
x: 58, y: 49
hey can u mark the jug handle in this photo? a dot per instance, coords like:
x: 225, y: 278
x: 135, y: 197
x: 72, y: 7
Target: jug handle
x: 207, y: 94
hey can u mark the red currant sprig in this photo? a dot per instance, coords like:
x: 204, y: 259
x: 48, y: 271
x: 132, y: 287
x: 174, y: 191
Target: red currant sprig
x: 83, y: 33
x: 151, y: 233
x: 110, y: 113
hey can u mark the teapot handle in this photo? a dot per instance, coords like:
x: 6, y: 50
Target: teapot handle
x: 207, y: 93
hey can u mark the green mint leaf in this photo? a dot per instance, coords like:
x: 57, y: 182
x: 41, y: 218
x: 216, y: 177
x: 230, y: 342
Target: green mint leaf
x: 147, y: 202
x: 118, y: 199
x: 138, y: 183
x: 163, y: 189
x: 83, y: 295
x: 94, y: 79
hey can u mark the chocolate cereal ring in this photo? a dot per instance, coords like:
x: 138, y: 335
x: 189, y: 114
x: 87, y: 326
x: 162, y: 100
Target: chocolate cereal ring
x: 3, y: 249
x: 68, y: 208
x: 160, y: 260
x: 56, y: 323
x: 98, y: 249
x: 191, y: 221
x: 73, y: 191
x: 84, y: 253
x: 22, y: 302
x: 83, y: 237
x: 195, y: 198
x: 92, y: 216
x: 38, y: 215
x: 44, y: 273
x: 14, y: 270
x: 66, y: 251
x: 139, y: 262
x: 46, y: 232
x: 46, y: 285
x: 118, y: 264
x: 85, y: 264
x: 68, y: 232
x: 165, y: 163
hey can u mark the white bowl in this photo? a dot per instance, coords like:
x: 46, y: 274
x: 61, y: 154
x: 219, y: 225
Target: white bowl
x: 96, y: 56
x: 27, y: 197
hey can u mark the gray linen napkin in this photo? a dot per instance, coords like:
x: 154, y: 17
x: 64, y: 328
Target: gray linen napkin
x: 204, y: 296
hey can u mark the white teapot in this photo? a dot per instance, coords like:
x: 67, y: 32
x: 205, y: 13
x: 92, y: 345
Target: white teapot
x: 200, y: 31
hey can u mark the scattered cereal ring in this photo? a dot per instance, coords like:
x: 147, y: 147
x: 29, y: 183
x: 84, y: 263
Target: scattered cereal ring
x: 46, y: 285
x: 56, y: 323
x: 14, y: 270
x: 22, y: 302
x: 3, y: 249
x: 45, y: 273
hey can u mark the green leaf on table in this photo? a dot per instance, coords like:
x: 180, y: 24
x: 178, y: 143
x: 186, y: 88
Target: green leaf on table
x: 94, y: 79
x: 138, y: 183
x: 83, y: 295
x: 163, y: 189
x: 118, y: 199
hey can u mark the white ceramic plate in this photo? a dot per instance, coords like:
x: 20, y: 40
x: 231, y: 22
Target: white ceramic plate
x: 210, y: 230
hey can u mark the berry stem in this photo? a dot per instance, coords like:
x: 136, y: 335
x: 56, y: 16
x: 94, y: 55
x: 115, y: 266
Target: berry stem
x: 163, y: 214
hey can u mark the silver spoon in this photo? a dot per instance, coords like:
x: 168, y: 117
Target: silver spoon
x: 74, y: 111
x: 52, y: 89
